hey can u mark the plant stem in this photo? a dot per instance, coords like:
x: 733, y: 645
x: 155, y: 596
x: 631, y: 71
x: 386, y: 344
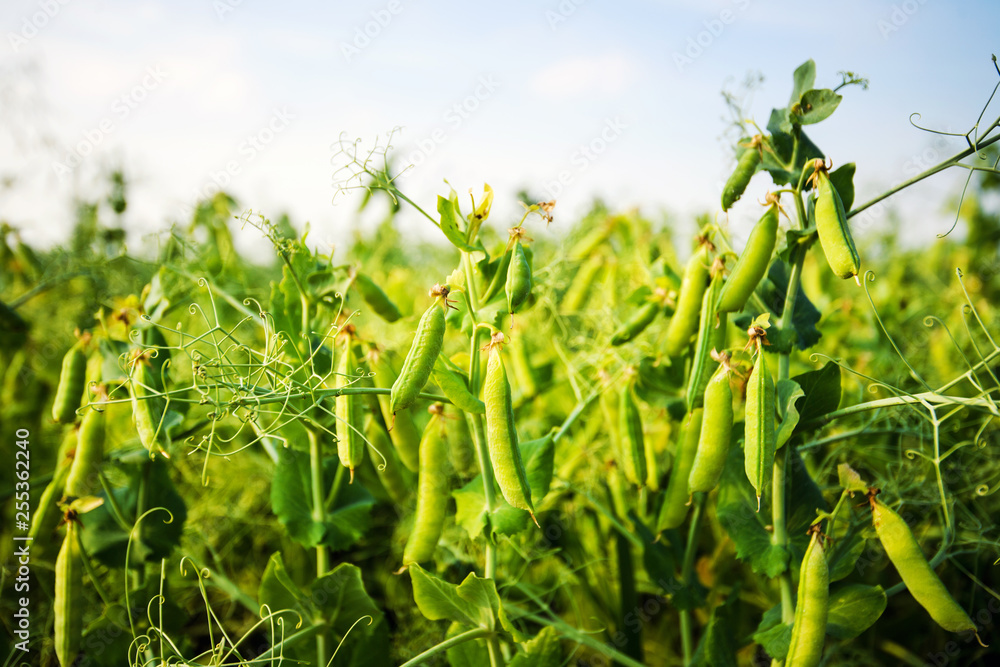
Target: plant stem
x: 319, y: 516
x: 687, y: 571
x: 461, y: 638
x: 627, y: 596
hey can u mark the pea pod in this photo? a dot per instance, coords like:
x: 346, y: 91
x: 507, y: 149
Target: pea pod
x: 746, y: 167
x: 501, y: 434
x: 685, y: 319
x: 432, y: 492
x: 82, y: 480
x: 350, y: 444
x: 404, y: 433
x: 499, y: 278
x: 833, y: 229
x: 752, y: 265
x: 715, y: 434
x: 72, y: 379
x: 518, y: 286
x: 920, y: 579
x: 674, y: 507
x: 632, y: 444
x: 68, y: 605
x: 811, y: 608
x: 45, y: 519
x: 760, y: 440
x: 390, y: 473
x: 375, y: 297
x: 148, y: 409
x: 637, y: 323
x: 455, y: 388
x: 575, y: 297
x: 427, y: 343
x: 524, y: 374
x: 711, y: 336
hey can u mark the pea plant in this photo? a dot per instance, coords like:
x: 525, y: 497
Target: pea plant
x: 510, y: 451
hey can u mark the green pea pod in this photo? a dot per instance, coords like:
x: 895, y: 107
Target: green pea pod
x: 390, y: 473
x: 419, y: 362
x: 455, y: 388
x: 47, y: 515
x: 711, y: 336
x: 376, y: 298
x: 575, y: 297
x: 72, y: 379
x: 632, y: 444
x: 715, y: 435
x: 920, y: 579
x: 685, y: 319
x: 499, y: 278
x: 83, y: 480
x: 637, y: 323
x: 404, y: 433
x: 350, y: 444
x: 833, y: 229
x: 675, y: 499
x: 811, y: 608
x: 594, y: 239
x: 518, y: 286
x: 752, y: 265
x: 524, y: 375
x: 148, y: 409
x: 432, y: 493
x: 501, y: 434
x: 760, y: 440
x: 737, y: 184
x: 68, y: 605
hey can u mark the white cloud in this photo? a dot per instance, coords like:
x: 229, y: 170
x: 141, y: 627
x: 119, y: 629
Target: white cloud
x: 609, y: 74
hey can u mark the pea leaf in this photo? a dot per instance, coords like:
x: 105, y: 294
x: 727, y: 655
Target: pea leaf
x: 842, y: 179
x: 795, y: 238
x: 539, y: 464
x: 471, y: 514
x: 474, y: 602
x: 850, y: 480
x: 814, y: 106
x: 844, y: 555
x: 451, y: 219
x: 783, y: 142
x: 774, y: 635
x: 803, y: 79
x: 718, y: 645
x: 737, y: 512
x: 542, y: 651
x: 469, y: 653
x: 853, y: 609
x: 787, y: 392
x: 822, y: 391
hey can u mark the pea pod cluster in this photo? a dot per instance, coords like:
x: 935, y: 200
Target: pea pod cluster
x: 811, y: 608
x: 752, y: 265
x: 833, y: 228
x: 427, y: 343
x: 501, y: 434
x: 432, y: 491
x: 923, y: 583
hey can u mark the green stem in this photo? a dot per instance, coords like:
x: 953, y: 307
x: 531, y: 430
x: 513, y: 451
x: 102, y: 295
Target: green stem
x: 687, y: 572
x: 628, y: 597
x: 780, y: 535
x: 319, y: 516
x: 461, y: 638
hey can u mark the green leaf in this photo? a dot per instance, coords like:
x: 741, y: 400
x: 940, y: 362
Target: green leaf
x: 845, y: 554
x: 279, y: 592
x: 774, y: 635
x: 639, y: 296
x: 539, y: 464
x: 660, y: 383
x: 718, y: 645
x: 853, y: 609
x: 542, y: 651
x: 470, y: 507
x: 474, y: 602
x: 472, y: 653
x: 451, y: 221
x: 803, y: 79
x: 822, y: 391
x: 783, y: 142
x: 347, y: 519
x: 787, y: 392
x: 661, y: 564
x: 794, y: 238
x: 803, y: 333
x: 850, y: 480
x: 815, y: 106
x: 842, y: 179
x: 737, y: 512
x: 803, y: 500
x: 110, y: 631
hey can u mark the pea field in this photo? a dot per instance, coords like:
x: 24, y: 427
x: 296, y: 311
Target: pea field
x: 630, y: 445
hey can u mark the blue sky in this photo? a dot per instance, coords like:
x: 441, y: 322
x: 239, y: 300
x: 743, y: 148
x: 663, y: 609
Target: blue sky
x: 189, y: 94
